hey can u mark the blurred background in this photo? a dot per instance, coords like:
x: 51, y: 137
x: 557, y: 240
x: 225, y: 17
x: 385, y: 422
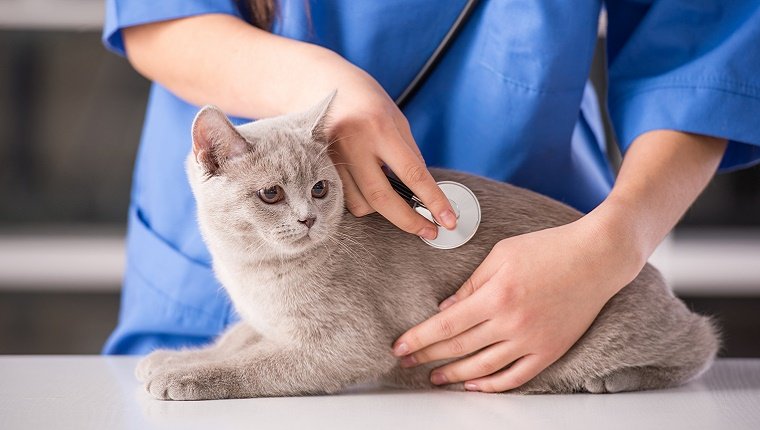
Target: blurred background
x: 70, y: 120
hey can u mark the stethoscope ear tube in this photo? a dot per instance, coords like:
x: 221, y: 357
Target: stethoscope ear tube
x: 437, y: 54
x: 462, y: 199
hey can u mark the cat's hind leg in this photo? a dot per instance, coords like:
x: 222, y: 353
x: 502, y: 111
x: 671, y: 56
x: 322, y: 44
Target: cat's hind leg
x: 677, y: 360
x: 664, y: 360
x: 616, y: 381
x: 639, y: 378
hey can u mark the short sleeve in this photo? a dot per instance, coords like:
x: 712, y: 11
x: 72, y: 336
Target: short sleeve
x: 121, y: 14
x: 687, y: 66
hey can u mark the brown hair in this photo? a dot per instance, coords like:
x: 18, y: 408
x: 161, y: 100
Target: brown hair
x: 263, y: 13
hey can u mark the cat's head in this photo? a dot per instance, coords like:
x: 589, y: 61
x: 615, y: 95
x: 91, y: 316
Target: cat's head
x: 269, y: 182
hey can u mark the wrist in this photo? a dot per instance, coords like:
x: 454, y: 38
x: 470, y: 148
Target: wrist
x: 621, y: 240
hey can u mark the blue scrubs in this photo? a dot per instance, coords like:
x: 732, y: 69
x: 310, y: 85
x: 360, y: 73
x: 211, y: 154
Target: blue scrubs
x: 510, y: 100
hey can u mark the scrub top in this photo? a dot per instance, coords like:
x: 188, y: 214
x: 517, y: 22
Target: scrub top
x: 510, y: 100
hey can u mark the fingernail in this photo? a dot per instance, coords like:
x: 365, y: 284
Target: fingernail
x: 448, y: 302
x: 400, y: 349
x: 448, y: 219
x: 471, y: 387
x: 408, y: 361
x: 427, y: 233
x: 438, y: 378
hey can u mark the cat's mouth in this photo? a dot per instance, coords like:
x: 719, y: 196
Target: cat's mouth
x: 302, y: 239
x: 298, y: 241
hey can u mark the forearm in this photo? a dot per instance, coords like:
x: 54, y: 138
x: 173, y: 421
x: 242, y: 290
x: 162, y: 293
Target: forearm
x: 247, y: 72
x: 221, y: 60
x: 662, y: 174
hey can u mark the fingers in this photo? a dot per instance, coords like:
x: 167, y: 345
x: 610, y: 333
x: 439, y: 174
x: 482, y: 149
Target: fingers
x: 367, y: 190
x: 485, y: 362
x: 412, y: 172
x: 476, y: 338
x: 519, y: 373
x: 480, y: 276
x: 377, y: 191
x: 406, y: 133
x: 389, y: 142
x: 439, y: 327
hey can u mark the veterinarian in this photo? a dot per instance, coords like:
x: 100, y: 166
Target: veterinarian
x: 509, y: 100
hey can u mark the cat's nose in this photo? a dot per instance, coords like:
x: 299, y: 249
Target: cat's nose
x: 308, y: 221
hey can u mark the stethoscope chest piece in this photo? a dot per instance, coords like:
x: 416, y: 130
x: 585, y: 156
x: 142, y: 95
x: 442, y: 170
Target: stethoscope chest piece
x: 467, y: 209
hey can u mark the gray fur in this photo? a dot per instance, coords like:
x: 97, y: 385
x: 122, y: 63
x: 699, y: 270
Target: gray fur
x: 320, y: 311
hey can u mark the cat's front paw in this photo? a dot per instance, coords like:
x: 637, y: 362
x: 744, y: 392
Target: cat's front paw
x: 187, y: 383
x: 154, y: 361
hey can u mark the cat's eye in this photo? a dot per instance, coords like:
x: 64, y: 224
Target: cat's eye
x: 319, y: 190
x: 271, y: 195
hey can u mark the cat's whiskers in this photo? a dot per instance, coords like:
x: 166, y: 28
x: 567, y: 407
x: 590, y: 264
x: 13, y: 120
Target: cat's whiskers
x: 248, y: 250
x: 353, y: 255
x: 337, y: 139
x: 338, y: 164
x: 326, y: 149
x: 343, y: 240
x: 329, y: 168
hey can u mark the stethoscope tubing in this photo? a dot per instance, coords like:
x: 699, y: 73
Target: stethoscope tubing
x: 437, y: 54
x: 420, y: 79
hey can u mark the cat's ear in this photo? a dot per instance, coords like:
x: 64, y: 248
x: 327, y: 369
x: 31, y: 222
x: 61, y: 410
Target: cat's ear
x: 215, y: 139
x: 316, y: 118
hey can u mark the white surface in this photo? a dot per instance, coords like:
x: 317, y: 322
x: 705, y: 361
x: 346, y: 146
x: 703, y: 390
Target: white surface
x: 715, y: 262
x: 101, y: 393
x: 52, y: 14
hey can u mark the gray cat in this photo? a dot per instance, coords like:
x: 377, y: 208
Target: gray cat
x: 322, y: 294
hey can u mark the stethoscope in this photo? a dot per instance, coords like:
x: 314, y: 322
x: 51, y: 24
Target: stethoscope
x: 462, y: 199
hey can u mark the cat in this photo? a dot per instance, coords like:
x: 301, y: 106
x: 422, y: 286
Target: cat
x: 323, y: 294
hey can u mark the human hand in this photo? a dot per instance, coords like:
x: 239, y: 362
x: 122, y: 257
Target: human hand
x: 528, y: 302
x: 366, y: 127
x: 369, y: 131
